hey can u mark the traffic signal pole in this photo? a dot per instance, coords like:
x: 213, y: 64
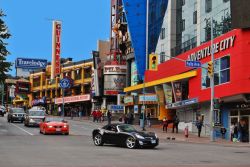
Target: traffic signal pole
x: 212, y: 135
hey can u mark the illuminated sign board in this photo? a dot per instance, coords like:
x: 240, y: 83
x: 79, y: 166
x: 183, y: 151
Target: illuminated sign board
x: 30, y: 63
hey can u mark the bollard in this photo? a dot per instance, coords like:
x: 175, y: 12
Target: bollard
x: 186, y: 131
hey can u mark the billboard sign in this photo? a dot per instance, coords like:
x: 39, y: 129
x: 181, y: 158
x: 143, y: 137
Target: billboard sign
x: 56, y: 48
x: 168, y: 93
x: 113, y: 84
x: 22, y: 87
x: 71, y: 99
x: 30, y: 63
x: 115, y: 69
x: 148, y: 99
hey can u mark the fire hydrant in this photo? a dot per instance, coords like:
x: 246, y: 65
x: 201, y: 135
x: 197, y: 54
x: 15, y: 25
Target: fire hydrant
x: 186, y: 131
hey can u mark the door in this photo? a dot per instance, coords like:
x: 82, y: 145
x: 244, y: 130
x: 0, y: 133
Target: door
x: 244, y: 121
x: 110, y: 134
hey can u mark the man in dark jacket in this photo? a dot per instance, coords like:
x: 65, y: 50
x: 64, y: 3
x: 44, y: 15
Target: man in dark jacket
x: 175, y: 123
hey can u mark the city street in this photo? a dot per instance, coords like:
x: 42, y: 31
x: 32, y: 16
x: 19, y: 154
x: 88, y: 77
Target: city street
x: 24, y: 147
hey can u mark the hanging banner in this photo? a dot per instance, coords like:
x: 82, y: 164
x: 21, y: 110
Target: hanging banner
x: 177, y: 87
x: 168, y: 93
x: 160, y: 93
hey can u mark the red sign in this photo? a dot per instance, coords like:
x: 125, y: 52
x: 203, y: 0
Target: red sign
x: 71, y: 99
x: 58, y: 47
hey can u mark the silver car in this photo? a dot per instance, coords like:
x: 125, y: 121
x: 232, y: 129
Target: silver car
x: 34, y: 117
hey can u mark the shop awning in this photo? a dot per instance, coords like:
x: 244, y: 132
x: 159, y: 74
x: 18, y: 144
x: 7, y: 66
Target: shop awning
x: 162, y: 81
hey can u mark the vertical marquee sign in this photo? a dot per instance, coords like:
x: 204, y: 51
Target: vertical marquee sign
x: 56, y: 48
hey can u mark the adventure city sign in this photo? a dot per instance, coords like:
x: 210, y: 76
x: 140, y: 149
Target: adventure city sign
x: 218, y: 46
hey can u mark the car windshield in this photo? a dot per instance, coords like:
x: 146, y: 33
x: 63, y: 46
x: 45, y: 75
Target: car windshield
x: 126, y: 128
x: 18, y: 110
x: 54, y: 119
x: 36, y: 113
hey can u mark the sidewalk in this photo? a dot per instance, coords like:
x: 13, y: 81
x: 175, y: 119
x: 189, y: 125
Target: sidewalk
x: 172, y: 137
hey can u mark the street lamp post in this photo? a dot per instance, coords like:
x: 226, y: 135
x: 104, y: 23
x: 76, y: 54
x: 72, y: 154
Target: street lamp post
x: 212, y: 137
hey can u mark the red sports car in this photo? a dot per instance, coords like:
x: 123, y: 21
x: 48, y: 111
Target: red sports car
x: 54, y: 125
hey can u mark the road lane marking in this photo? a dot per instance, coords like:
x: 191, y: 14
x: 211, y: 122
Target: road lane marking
x: 22, y: 129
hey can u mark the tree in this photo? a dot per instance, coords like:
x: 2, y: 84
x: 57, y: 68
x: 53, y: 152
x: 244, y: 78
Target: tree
x: 4, y: 34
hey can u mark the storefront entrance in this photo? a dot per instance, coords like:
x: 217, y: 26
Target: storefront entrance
x: 241, y: 118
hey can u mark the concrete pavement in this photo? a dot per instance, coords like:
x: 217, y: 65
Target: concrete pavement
x: 169, y: 136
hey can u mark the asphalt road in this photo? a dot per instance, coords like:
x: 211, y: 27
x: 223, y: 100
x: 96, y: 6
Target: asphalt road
x: 24, y: 147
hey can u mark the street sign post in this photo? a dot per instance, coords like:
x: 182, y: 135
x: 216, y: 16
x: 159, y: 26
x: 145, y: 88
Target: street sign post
x: 194, y: 64
x: 65, y: 83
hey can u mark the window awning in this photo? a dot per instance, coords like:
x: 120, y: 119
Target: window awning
x: 162, y: 81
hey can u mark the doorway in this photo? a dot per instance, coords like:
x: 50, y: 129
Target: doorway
x: 244, y: 122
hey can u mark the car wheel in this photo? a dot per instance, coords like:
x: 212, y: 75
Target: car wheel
x: 8, y: 120
x: 130, y: 142
x: 98, y: 139
x: 66, y: 133
x: 40, y: 131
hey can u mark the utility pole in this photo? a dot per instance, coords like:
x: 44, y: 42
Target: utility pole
x: 212, y: 137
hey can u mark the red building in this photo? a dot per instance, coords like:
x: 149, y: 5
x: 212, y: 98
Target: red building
x: 187, y: 90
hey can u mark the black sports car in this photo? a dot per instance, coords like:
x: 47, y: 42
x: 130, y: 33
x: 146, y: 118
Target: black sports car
x: 124, y: 135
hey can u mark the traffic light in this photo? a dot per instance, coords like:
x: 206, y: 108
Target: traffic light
x: 216, y: 103
x: 153, y: 61
x: 210, y: 68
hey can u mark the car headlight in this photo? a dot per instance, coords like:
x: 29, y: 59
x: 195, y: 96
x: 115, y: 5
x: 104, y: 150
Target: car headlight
x: 156, y: 136
x: 32, y: 120
x: 65, y: 126
x: 139, y: 136
x: 50, y: 126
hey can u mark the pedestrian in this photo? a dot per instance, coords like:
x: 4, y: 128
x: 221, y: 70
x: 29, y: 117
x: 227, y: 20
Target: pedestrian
x: 232, y: 127
x: 175, y: 123
x: 165, y: 124
x: 109, y: 117
x: 125, y: 119
x: 223, y: 131
x: 131, y: 118
x: 148, y: 119
x: 199, y: 125
x: 59, y: 111
x: 142, y: 119
x: 94, y: 115
x: 239, y: 139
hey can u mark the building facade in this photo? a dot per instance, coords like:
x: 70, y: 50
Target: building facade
x: 185, y: 91
x: 47, y: 92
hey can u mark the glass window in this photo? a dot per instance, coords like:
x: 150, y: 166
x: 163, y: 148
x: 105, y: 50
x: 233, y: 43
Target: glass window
x: 163, y: 33
x: 208, y: 6
x: 221, y: 72
x: 183, y: 24
x: 195, y: 17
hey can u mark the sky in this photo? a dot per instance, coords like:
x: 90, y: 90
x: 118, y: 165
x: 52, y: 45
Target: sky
x: 30, y: 24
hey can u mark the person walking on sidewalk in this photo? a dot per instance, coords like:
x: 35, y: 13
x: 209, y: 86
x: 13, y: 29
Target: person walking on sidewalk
x: 199, y: 125
x: 175, y: 124
x: 109, y: 116
x: 148, y: 119
x: 165, y: 124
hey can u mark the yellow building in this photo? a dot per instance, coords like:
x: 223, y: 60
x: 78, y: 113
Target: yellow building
x: 46, y: 91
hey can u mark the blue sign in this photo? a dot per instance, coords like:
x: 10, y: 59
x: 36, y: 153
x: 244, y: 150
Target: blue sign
x: 182, y: 103
x: 116, y: 107
x: 195, y: 64
x: 65, y: 83
x: 31, y: 63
